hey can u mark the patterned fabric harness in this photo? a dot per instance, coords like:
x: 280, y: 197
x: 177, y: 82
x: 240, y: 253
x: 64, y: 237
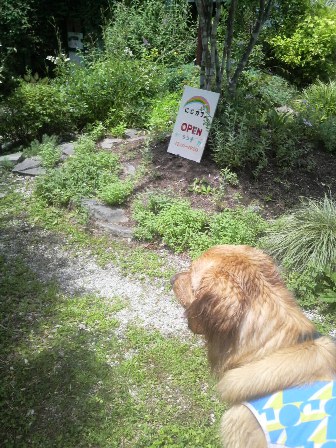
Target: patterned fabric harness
x: 300, y: 417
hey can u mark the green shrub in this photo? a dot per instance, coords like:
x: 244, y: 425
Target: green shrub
x: 82, y: 175
x: 172, y: 220
x: 35, y: 109
x: 163, y: 114
x: 144, y: 211
x: 179, y: 224
x: 289, y: 139
x: 271, y: 90
x: 112, y: 89
x: 155, y: 32
x: 310, y: 51
x: 183, y: 228
x: 232, y: 226
x: 318, y: 108
x: 327, y: 134
x: 320, y: 100
x: 250, y: 130
x: 109, y: 91
x: 175, y: 78
x: 116, y: 192
x: 232, y: 139
x: 47, y: 149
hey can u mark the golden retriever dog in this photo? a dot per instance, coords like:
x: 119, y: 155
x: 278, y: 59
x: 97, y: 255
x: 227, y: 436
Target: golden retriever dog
x: 259, y: 341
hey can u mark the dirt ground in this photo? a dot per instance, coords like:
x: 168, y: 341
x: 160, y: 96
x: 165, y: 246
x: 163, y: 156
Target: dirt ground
x: 274, y: 192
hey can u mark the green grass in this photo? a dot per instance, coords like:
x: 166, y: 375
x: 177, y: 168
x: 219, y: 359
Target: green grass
x: 68, y: 380
x: 307, y: 237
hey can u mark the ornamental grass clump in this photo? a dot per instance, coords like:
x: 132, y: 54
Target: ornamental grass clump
x: 305, y: 238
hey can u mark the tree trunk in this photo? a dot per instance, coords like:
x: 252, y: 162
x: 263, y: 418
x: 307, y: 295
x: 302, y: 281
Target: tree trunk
x: 264, y: 12
x: 212, y: 69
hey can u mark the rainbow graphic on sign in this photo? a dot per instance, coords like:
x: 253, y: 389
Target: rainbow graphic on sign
x: 199, y: 101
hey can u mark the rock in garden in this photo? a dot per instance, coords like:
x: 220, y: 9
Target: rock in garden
x: 131, y: 133
x: 108, y: 218
x: 129, y: 169
x: 12, y: 158
x: 30, y: 167
x: 109, y: 143
x: 67, y: 149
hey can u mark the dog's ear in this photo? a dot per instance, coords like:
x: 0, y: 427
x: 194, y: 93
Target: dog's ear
x: 220, y: 302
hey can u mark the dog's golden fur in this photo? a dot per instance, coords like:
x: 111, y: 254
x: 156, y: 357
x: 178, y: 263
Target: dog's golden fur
x: 258, y: 339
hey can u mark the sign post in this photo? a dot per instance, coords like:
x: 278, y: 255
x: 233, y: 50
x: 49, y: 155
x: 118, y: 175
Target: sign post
x: 192, y: 125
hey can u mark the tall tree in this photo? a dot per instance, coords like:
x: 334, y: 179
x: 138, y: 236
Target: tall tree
x: 218, y: 71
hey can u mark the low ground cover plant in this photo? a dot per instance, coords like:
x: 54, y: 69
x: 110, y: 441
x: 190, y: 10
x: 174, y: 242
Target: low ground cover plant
x: 183, y: 228
x: 48, y: 149
x: 116, y: 192
x: 82, y: 175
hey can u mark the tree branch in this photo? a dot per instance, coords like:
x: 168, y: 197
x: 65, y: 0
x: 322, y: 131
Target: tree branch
x: 226, y: 58
x: 261, y: 19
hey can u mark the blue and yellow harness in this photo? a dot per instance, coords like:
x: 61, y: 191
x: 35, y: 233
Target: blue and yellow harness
x: 300, y: 417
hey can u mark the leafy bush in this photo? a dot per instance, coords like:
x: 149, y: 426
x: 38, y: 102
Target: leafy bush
x: 105, y: 90
x: 251, y: 130
x: 173, y: 220
x: 183, y: 228
x: 116, y: 192
x: 271, y: 90
x: 310, y: 51
x: 34, y: 109
x: 289, y: 139
x: 232, y: 226
x: 175, y: 78
x: 47, y: 149
x: 318, y: 108
x: 111, y: 89
x: 305, y: 243
x: 231, y: 139
x: 82, y: 175
x: 155, y: 31
x: 163, y: 114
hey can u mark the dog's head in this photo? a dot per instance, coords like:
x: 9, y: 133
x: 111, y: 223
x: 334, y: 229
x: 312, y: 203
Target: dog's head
x: 223, y: 285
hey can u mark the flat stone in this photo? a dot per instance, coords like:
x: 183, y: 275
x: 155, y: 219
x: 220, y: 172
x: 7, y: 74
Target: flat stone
x: 38, y: 171
x: 108, y: 218
x: 116, y: 230
x: 129, y: 169
x: 13, y: 158
x: 109, y: 143
x: 285, y: 110
x: 67, y: 148
x: 3, y: 195
x: 135, y: 142
x: 131, y: 133
x: 27, y: 164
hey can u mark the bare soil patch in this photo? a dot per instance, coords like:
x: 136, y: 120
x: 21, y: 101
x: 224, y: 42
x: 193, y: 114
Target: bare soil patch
x: 274, y: 192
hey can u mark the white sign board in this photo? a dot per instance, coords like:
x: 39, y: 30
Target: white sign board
x: 193, y: 122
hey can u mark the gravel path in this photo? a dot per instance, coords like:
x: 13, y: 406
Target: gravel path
x: 149, y: 303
